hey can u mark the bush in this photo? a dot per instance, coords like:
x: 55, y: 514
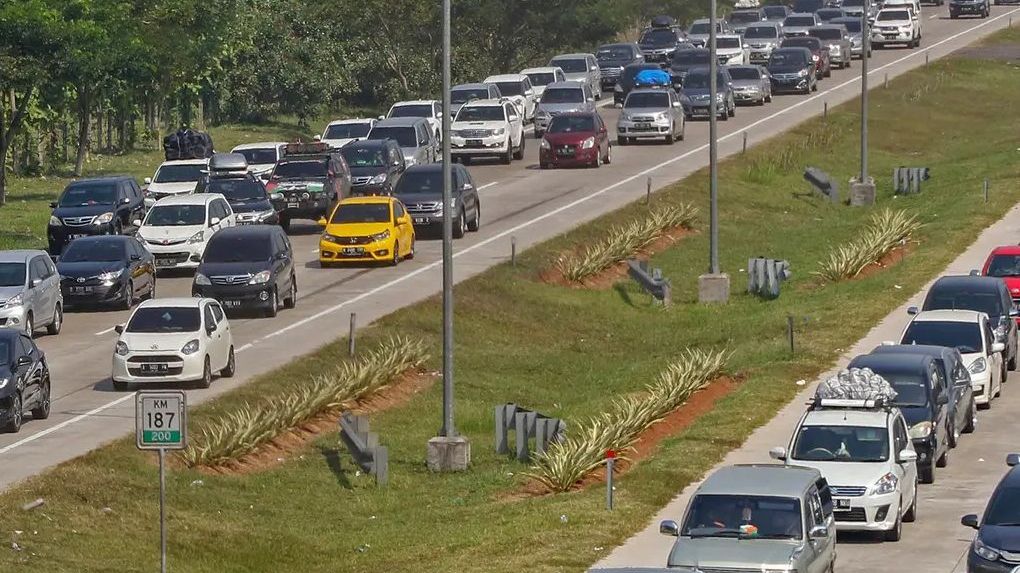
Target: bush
x: 885, y: 232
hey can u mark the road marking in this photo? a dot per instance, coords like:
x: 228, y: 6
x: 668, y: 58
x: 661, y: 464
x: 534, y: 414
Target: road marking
x: 487, y: 185
x: 102, y: 332
x: 933, y: 16
x: 518, y: 227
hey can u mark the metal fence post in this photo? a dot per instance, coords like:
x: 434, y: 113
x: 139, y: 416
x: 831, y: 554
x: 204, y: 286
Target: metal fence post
x: 744, y: 148
x: 825, y: 110
x: 648, y: 191
x: 986, y: 189
x: 610, y: 466
x: 513, y: 251
x: 789, y: 330
x: 886, y: 84
x: 350, y: 334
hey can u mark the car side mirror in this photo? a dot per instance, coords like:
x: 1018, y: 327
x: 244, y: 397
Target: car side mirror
x: 818, y: 532
x: 53, y: 204
x: 276, y: 197
x: 677, y: 104
x: 912, y: 310
x: 119, y: 329
x: 34, y: 283
x: 1013, y: 312
x: 998, y: 347
x: 669, y: 527
x: 970, y: 520
x: 322, y: 221
x: 466, y: 187
x: 906, y: 456
x: 778, y: 453
x: 1012, y: 460
x: 214, y: 221
x: 136, y: 257
x: 147, y: 180
x: 22, y: 361
x: 137, y: 222
x: 513, y: 117
x: 381, y: 117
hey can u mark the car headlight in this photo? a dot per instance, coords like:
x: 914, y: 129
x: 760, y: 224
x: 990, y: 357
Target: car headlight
x: 802, y: 73
x: 499, y: 131
x: 618, y: 88
x: 4, y: 381
x: 814, y: 58
x: 263, y: 215
x: 984, y: 551
x: 197, y: 238
x: 380, y: 178
x: 330, y: 238
x: 190, y: 348
x: 381, y: 236
x: 121, y: 349
x: 976, y: 367
x: 588, y: 143
x: 109, y: 276
x: 16, y: 300
x: 103, y: 219
x: 201, y: 279
x: 545, y: 144
x: 55, y: 221
x: 920, y: 430
x: 886, y: 484
x: 261, y: 277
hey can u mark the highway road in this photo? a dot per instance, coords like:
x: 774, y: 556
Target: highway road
x: 517, y: 201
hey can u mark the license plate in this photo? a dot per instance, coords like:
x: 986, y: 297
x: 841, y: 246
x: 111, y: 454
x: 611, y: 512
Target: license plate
x: 81, y: 290
x: 231, y: 303
x: 155, y: 367
x: 841, y: 503
x: 565, y: 151
x: 353, y: 250
x: 165, y: 262
x: 420, y: 221
x: 76, y: 236
x: 293, y: 205
x: 643, y: 125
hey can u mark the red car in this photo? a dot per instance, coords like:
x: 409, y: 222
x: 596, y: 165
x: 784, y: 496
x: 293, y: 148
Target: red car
x: 1004, y: 262
x: 575, y: 139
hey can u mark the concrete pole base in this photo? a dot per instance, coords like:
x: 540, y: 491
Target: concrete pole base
x: 862, y: 194
x: 448, y: 454
x: 714, y: 288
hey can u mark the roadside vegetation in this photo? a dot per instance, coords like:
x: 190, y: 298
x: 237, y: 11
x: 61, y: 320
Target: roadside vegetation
x: 886, y: 231
x: 566, y: 353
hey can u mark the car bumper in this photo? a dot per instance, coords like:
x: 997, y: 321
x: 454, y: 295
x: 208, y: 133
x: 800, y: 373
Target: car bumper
x: 378, y: 251
x: 898, y: 38
x: 182, y: 256
x: 869, y: 513
x: 798, y: 84
x: 253, y: 219
x: 493, y: 145
x: 976, y: 564
x: 13, y: 317
x: 636, y: 130
x: 178, y: 368
x: 748, y: 96
x: 60, y: 237
x: 379, y: 189
x: 311, y: 208
x: 981, y: 385
x: 94, y: 293
x: 577, y: 158
x: 234, y: 297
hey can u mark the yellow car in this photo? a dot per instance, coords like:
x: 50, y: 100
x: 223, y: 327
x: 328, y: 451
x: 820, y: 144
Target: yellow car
x: 367, y: 229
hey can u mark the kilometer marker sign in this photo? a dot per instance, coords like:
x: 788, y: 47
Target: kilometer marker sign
x: 161, y: 420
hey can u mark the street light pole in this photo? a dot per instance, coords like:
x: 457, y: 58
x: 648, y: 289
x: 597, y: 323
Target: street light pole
x: 449, y: 430
x: 865, y: 44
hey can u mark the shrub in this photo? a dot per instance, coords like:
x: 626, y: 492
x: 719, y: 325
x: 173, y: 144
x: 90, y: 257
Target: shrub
x: 886, y: 230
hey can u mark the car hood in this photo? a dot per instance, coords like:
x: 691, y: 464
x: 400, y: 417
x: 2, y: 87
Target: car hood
x: 645, y: 110
x: 788, y: 30
x: 172, y: 188
x: 260, y: 168
x: 156, y: 234
x: 478, y: 125
x: 729, y: 52
x: 724, y: 553
x: 695, y: 38
x: 250, y: 205
x: 862, y: 474
x: 576, y: 76
x: 891, y: 23
x: 10, y: 292
x: 652, y: 48
x: 1005, y: 537
x: 562, y: 107
x: 367, y: 171
x: 162, y: 342
x: 83, y: 210
x: 1013, y: 284
x: 356, y: 229
x: 339, y: 142
x: 685, y: 67
x: 572, y: 138
x: 695, y: 93
x: 88, y: 268
x: 603, y: 64
x: 211, y: 269
x: 786, y: 69
x: 415, y: 198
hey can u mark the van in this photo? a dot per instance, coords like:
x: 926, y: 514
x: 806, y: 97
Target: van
x: 414, y: 135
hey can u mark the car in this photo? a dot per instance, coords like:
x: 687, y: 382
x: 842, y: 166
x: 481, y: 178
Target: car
x: 340, y: 132
x: 819, y: 53
x: 626, y: 81
x: 853, y: 27
x: 463, y: 93
x: 252, y: 204
x: 651, y: 113
x: 576, y: 139
x: 827, y: 14
x: 562, y: 97
x: 862, y: 448
x: 367, y: 230
x: 856, y: 8
x: 421, y: 192
x: 983, y: 294
x: 731, y: 50
x: 30, y: 296
x: 414, y: 135
x: 696, y: 87
x: 488, y: 128
x: 739, y: 20
x: 798, y: 24
x: 792, y: 70
x: 776, y: 12
x: 837, y: 39
x: 312, y: 177
x: 756, y: 517
x: 248, y: 268
x: 613, y: 58
x: 751, y: 84
x: 761, y: 39
x: 177, y: 177
x: 540, y: 78
x: 807, y: 6
x: 969, y: 332
x: 580, y: 68
x: 111, y: 270
x: 697, y: 32
x: 94, y: 206
x: 177, y: 229
x: 684, y: 60
x: 518, y: 89
x: 657, y: 44
x: 24, y: 381
x: 376, y: 166
x: 922, y: 397
x: 261, y: 157
x: 995, y: 545
x: 895, y: 26
x: 429, y: 109
x: 1004, y: 263
x: 173, y: 340
x: 977, y: 8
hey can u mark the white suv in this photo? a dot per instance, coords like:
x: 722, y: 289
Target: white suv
x: 896, y: 26
x: 488, y: 128
x: 518, y: 89
x: 863, y: 451
x: 430, y: 109
x: 177, y: 229
x: 177, y: 177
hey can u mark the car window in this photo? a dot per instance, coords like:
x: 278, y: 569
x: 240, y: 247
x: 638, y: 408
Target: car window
x: 900, y: 436
x: 225, y: 207
x: 210, y: 318
x: 37, y: 269
x: 938, y: 381
x: 26, y: 345
x: 825, y: 496
x: 51, y: 269
x: 398, y: 210
x: 816, y: 508
x: 217, y: 312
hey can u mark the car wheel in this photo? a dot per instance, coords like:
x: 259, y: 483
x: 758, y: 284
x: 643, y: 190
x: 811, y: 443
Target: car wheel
x: 152, y: 288
x: 42, y: 409
x: 128, y: 298
x: 896, y: 532
x: 274, y: 304
x: 120, y: 386
x: 971, y: 419
x: 519, y: 154
x: 669, y: 138
x: 29, y: 325
x: 206, y: 380
x: 768, y: 98
x: 460, y: 225
x: 539, y: 134
x: 508, y: 157
x: 597, y: 162
x: 285, y: 223
x: 1012, y: 363
x: 609, y: 153
x: 14, y: 415
x: 724, y: 116
x: 291, y: 300
x: 476, y: 221
x: 926, y: 474
x: 58, y: 321
x: 943, y: 460
x: 732, y: 110
x: 952, y: 436
x: 410, y: 253
x: 814, y: 87
x: 543, y: 165
x: 911, y: 515
x: 231, y: 368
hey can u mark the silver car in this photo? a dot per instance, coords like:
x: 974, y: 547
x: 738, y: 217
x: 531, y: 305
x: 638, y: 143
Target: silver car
x: 835, y: 36
x: 799, y: 24
x: 853, y: 28
x: 30, y: 295
x: 761, y: 39
x: 751, y: 84
x: 414, y: 135
x: 562, y: 97
x: 651, y: 113
x: 580, y: 68
x: 697, y: 34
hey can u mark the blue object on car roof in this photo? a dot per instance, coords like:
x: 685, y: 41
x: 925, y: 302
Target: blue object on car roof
x: 652, y: 78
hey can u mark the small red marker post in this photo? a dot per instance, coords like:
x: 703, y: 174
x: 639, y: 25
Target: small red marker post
x: 610, y: 463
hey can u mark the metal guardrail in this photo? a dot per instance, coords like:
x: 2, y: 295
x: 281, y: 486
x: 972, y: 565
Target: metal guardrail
x: 364, y: 447
x: 652, y: 282
x: 526, y: 424
x: 764, y: 276
x: 822, y: 183
x: 908, y: 180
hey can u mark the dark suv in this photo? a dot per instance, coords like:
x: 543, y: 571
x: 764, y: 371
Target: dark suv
x: 792, y: 70
x: 819, y: 53
x: 376, y: 166
x: 252, y: 204
x: 977, y: 8
x: 613, y: 58
x: 421, y: 191
x: 696, y: 88
x: 626, y: 81
x: 684, y: 60
x: 312, y: 178
x: 249, y: 267
x: 98, y: 206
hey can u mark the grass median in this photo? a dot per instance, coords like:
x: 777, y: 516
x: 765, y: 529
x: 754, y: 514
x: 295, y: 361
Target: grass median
x: 568, y: 353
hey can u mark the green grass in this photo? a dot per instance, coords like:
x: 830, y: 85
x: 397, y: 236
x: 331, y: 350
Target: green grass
x: 567, y: 353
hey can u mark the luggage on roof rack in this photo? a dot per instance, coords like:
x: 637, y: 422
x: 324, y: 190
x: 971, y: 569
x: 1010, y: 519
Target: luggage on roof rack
x: 855, y: 388
x: 223, y: 163
x: 187, y: 143
x: 652, y: 78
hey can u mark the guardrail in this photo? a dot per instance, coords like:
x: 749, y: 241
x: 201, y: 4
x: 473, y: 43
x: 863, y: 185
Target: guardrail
x: 364, y: 447
x: 907, y: 180
x: 652, y: 282
x: 526, y: 424
x: 764, y: 276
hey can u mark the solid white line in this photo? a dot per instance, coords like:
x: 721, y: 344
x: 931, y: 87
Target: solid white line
x: 933, y: 16
x: 487, y: 185
x: 65, y: 424
x: 102, y: 332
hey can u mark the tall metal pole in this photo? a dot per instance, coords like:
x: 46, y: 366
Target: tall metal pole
x: 865, y: 45
x: 449, y: 430
x: 713, y: 64
x: 162, y: 511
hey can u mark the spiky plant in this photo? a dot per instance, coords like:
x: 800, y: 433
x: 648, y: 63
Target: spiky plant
x: 886, y: 230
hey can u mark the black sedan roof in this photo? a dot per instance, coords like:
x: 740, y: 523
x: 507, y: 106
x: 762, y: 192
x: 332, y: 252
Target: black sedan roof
x: 967, y: 283
x: 893, y: 363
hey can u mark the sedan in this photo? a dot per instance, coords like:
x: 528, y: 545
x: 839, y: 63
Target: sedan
x: 576, y: 139
x: 998, y: 532
x: 24, y: 381
x: 751, y: 85
x: 819, y: 53
x: 114, y: 270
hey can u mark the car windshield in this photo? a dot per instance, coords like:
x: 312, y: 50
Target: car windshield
x: 727, y: 43
x: 664, y: 37
x: 175, y: 216
x: 347, y: 131
x: 774, y: 11
x: 420, y: 182
x: 841, y: 444
x: 612, y: 53
x: 802, y: 42
x: 986, y: 302
x: 852, y: 26
x: 297, y: 169
x: 799, y: 21
x: 364, y: 156
x: 510, y: 88
x: 362, y: 213
x: 647, y: 100
x: 414, y: 110
x: 541, y: 78
x: 1004, y: 508
x: 853, y: 2
x: 178, y: 173
x: 691, y: 58
x: 761, y: 32
x: 88, y: 250
x: 829, y: 14
x: 237, y: 189
x: 744, y: 17
x: 481, y: 113
x: 570, y: 65
x: 748, y: 73
x: 466, y: 94
x: 964, y: 336
x: 892, y: 15
x: 237, y: 249
x: 808, y: 5
x: 154, y: 320
x: 12, y: 274
x: 259, y: 156
x: 700, y: 81
x: 745, y: 516
x: 87, y: 195
x: 571, y: 124
x: 700, y: 28
x: 1004, y: 266
x: 786, y: 59
x: 562, y: 95
x: 827, y: 34
x: 911, y: 389
x: 404, y: 136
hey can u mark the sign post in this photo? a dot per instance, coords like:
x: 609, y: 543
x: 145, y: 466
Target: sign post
x: 161, y: 425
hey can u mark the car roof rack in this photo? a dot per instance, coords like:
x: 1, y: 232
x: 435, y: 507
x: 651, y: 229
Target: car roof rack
x: 880, y: 403
x: 306, y: 148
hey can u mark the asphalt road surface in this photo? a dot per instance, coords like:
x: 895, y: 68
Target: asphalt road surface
x: 517, y: 201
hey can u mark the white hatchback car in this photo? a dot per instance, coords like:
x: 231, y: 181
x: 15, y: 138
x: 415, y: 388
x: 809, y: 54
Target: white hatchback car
x: 177, y: 229
x: 173, y: 340
x: 178, y: 177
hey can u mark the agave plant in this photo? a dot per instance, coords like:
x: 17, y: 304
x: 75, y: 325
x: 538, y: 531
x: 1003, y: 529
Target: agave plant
x: 885, y: 232
x: 243, y: 430
x: 567, y: 463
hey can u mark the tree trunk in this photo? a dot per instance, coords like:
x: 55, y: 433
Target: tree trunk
x: 109, y: 131
x: 11, y: 119
x: 84, y: 129
x: 99, y: 132
x: 63, y: 139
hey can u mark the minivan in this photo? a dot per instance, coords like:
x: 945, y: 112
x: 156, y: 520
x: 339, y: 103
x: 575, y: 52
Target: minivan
x: 249, y: 267
x: 414, y: 135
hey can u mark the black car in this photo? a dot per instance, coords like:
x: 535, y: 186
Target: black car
x: 249, y: 267
x: 95, y: 206
x: 626, y: 81
x: 376, y: 166
x: 658, y: 44
x: 989, y: 295
x: 113, y: 270
x: 312, y: 177
x: 26, y: 378
x: 922, y: 396
x: 684, y: 60
x: 998, y: 532
x: 697, y: 86
x: 421, y: 191
x: 977, y: 8
x: 248, y: 197
x: 613, y: 58
x: 792, y: 70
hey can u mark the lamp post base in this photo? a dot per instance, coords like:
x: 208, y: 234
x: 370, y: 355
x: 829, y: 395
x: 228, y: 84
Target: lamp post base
x: 862, y: 194
x: 714, y: 288
x: 448, y: 454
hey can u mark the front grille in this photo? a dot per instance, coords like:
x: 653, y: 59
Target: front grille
x: 423, y: 207
x: 79, y: 281
x: 728, y: 570
x: 642, y: 118
x: 230, y: 279
x: 474, y: 133
x: 166, y: 242
x: 150, y: 358
x: 855, y: 514
x: 174, y: 258
x: 79, y: 221
x: 610, y: 72
x: 360, y: 180
x: 847, y: 491
x: 793, y: 33
x: 171, y: 371
x: 353, y: 240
